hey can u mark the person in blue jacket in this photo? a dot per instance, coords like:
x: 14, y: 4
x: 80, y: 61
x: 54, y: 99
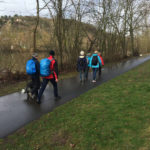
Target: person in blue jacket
x: 88, y: 58
x: 95, y: 63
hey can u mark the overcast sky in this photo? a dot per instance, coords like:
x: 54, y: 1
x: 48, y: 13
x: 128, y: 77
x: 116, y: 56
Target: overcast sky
x: 20, y: 7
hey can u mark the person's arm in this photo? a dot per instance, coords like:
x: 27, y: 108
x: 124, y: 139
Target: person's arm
x: 37, y: 64
x: 56, y: 77
x: 55, y: 70
x: 77, y: 65
x: 91, y: 61
x: 85, y: 62
x: 100, y: 61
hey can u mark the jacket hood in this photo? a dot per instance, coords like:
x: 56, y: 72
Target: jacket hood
x: 50, y: 57
x: 95, y: 55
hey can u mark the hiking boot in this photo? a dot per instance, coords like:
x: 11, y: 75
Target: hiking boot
x: 57, y: 98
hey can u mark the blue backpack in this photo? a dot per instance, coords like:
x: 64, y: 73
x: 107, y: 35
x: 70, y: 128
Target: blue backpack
x: 45, y: 67
x: 30, y: 67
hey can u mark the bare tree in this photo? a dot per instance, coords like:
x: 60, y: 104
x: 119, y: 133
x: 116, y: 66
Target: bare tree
x: 57, y: 9
x: 137, y: 12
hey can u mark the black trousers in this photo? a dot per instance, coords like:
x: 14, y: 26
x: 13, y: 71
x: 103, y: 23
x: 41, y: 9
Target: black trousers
x: 100, y: 71
x: 44, y: 84
x: 87, y: 72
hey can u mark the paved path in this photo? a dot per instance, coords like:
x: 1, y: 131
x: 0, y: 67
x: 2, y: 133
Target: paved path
x: 15, y: 111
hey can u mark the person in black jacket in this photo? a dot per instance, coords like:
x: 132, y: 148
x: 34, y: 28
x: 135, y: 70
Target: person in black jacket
x: 34, y: 85
x: 81, y: 66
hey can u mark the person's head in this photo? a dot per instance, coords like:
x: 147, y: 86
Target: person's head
x: 95, y: 52
x: 82, y: 53
x: 52, y: 52
x: 35, y: 55
x: 100, y: 53
x: 88, y: 54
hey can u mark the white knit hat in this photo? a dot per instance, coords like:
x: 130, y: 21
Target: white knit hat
x: 82, y: 53
x: 95, y: 51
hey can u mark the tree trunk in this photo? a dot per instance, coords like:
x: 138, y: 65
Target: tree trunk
x: 35, y: 29
x: 59, y: 29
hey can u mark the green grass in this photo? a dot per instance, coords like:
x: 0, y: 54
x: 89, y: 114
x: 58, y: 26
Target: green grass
x: 15, y: 87
x: 113, y: 116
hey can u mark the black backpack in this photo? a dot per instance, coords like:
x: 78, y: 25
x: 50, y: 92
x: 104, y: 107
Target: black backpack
x: 95, y: 60
x: 81, y: 62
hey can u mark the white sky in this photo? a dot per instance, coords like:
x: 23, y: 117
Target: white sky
x: 20, y: 7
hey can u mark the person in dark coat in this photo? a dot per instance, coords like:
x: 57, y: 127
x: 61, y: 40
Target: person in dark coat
x: 34, y: 85
x: 81, y: 66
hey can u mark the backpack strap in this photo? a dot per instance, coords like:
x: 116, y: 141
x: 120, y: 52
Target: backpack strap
x: 52, y: 59
x: 52, y: 72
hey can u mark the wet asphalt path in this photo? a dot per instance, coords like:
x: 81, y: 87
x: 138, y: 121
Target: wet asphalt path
x: 15, y: 111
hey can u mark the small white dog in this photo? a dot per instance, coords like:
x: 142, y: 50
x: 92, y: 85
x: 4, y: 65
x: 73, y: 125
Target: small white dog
x: 22, y: 91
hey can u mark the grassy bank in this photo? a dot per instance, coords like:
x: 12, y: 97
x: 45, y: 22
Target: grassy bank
x: 9, y: 88
x: 113, y: 116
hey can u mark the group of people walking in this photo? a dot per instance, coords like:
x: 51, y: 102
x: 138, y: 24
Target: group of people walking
x: 35, y: 88
x: 84, y: 63
x: 48, y: 69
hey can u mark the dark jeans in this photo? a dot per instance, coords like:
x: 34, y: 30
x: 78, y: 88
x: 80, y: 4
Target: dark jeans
x: 82, y: 75
x: 44, y: 84
x: 87, y: 72
x: 94, y: 73
x: 100, y: 70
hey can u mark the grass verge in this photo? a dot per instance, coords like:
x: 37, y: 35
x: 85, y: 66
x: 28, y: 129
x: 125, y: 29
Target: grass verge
x: 113, y: 116
x: 17, y: 86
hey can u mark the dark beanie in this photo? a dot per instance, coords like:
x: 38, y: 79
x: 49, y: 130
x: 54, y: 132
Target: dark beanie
x: 52, y: 52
